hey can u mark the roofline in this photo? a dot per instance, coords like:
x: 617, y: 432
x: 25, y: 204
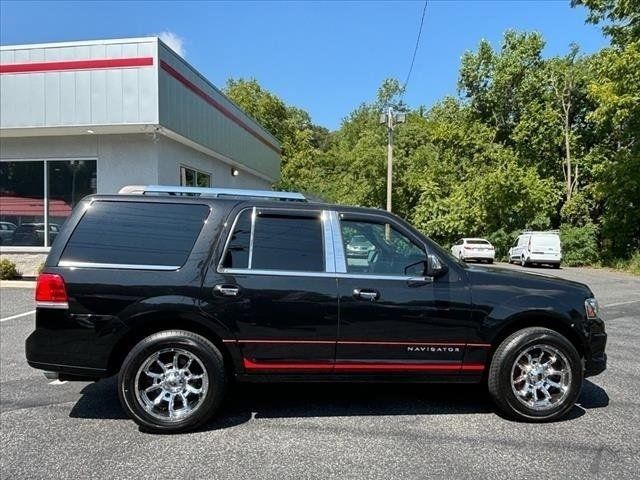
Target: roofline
x: 74, y: 43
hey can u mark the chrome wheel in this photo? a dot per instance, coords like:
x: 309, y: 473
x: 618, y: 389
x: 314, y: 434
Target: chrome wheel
x: 541, y: 377
x: 171, y: 384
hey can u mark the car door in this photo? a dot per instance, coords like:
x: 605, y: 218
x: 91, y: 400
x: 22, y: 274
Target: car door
x: 393, y: 319
x: 275, y: 288
x: 514, y: 252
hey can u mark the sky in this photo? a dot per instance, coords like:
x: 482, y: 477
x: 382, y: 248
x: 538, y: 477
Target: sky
x: 324, y: 57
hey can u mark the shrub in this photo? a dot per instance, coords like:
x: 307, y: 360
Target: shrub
x: 579, y: 245
x: 634, y: 263
x: 8, y: 270
x: 502, y: 241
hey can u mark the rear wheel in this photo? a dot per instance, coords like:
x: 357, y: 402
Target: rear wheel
x: 556, y: 265
x: 535, y: 375
x: 172, y: 381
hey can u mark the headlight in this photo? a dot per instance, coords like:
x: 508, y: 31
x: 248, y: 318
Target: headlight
x: 591, y: 307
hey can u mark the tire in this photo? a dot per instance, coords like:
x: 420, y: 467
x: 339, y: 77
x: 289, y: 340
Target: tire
x: 523, y: 262
x: 196, y: 374
x: 490, y: 261
x: 556, y: 265
x: 504, y: 374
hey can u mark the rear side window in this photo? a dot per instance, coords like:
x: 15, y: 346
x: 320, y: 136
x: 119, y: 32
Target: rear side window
x: 136, y: 233
x: 279, y: 241
x: 288, y: 243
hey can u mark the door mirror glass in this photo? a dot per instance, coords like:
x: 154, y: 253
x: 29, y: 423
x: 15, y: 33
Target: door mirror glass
x: 417, y: 269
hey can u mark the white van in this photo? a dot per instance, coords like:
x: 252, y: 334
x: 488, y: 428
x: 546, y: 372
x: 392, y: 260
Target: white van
x: 537, y: 248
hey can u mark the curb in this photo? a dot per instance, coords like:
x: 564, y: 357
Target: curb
x: 17, y: 284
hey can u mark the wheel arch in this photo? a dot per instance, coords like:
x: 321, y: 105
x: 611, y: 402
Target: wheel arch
x: 538, y: 319
x: 156, y: 322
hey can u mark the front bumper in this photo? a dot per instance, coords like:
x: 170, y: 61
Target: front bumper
x: 596, y: 358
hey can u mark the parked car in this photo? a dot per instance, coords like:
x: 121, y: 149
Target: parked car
x: 6, y: 233
x: 359, y: 246
x: 33, y: 234
x: 180, y: 295
x: 477, y: 249
x: 537, y: 248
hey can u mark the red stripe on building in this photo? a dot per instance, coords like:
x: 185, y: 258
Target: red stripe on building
x: 215, y: 104
x: 76, y: 65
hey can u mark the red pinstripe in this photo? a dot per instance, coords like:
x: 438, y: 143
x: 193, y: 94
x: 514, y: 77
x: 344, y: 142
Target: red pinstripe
x: 361, y: 366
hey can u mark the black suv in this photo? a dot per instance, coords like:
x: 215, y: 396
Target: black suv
x: 180, y: 295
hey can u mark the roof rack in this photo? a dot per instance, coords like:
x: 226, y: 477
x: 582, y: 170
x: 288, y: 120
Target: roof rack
x: 211, y: 192
x: 524, y: 232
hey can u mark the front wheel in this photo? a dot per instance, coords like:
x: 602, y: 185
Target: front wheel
x: 523, y: 262
x: 535, y: 375
x: 172, y: 381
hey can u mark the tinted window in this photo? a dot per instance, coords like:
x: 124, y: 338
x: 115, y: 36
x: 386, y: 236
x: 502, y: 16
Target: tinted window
x: 288, y: 243
x: 390, y: 252
x: 237, y: 254
x: 136, y: 233
x: 477, y: 242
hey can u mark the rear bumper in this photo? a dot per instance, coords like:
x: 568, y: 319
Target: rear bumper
x: 544, y: 258
x: 73, y: 345
x: 479, y: 256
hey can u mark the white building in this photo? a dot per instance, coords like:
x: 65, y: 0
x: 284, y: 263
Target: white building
x: 85, y: 117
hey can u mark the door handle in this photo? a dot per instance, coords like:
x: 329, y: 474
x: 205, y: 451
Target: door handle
x: 227, y: 290
x: 366, y: 294
x: 419, y: 281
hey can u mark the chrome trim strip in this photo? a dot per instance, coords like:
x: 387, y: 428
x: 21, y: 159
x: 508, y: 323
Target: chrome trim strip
x: 226, y: 243
x: 277, y: 273
x: 290, y: 273
x: 116, y: 266
x: 338, y: 246
x: 327, y: 236
x: 254, y: 213
x: 57, y: 305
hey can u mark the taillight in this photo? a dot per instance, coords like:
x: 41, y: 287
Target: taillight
x: 51, y: 291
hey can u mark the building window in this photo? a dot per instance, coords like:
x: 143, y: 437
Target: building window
x: 190, y: 177
x: 37, y: 196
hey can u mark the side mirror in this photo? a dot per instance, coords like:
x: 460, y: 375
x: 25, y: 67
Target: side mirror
x: 431, y: 267
x: 434, y: 267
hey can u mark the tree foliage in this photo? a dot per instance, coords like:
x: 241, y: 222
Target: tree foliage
x: 528, y: 142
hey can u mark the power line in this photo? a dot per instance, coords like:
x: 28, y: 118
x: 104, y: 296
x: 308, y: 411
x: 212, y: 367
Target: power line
x: 415, y: 50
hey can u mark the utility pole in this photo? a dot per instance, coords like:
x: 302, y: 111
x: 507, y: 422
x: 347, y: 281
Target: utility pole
x: 390, y: 118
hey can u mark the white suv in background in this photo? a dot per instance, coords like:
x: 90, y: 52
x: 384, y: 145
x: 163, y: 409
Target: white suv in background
x: 537, y: 248
x: 474, y: 249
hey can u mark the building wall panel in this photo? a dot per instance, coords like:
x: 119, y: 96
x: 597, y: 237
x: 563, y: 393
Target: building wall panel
x: 186, y: 108
x: 75, y: 96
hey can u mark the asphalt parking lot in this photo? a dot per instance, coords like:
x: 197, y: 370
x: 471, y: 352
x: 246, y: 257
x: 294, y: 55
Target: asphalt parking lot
x: 78, y: 430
